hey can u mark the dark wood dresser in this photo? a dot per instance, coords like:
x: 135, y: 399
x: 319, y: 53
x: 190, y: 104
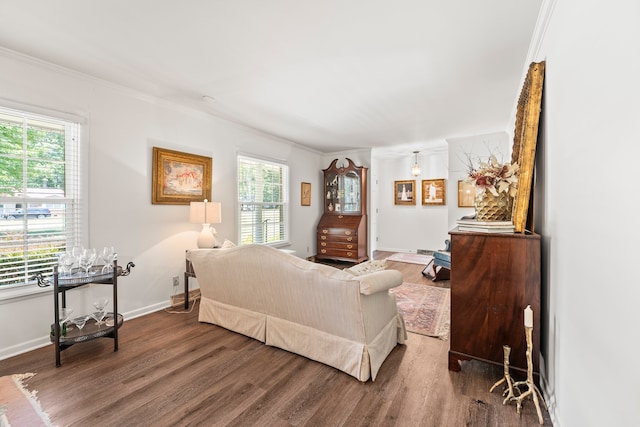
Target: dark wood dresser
x: 493, y: 278
x: 342, y: 230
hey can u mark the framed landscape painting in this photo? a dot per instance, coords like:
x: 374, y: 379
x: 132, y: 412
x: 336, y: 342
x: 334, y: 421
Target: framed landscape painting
x: 404, y: 192
x: 180, y: 178
x: 434, y: 192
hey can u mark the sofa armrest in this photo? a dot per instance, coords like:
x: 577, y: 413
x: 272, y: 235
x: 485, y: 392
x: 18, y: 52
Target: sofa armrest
x: 379, y: 281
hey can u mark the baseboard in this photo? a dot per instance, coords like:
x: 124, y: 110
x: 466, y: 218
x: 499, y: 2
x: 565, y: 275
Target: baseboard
x: 45, y: 340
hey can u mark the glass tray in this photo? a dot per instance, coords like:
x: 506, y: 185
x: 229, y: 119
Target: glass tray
x: 78, y: 276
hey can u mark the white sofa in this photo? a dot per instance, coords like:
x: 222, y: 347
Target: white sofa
x: 326, y: 314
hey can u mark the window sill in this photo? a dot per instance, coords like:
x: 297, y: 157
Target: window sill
x: 8, y: 296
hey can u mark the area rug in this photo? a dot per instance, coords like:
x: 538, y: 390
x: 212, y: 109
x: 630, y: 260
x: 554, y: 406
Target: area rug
x: 19, y: 406
x: 410, y: 258
x: 425, y: 308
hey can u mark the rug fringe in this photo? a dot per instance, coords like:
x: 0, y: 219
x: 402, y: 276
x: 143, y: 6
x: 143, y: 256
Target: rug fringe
x: 32, y: 396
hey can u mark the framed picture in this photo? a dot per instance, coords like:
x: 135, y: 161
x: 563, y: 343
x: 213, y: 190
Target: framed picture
x: 404, y: 192
x: 305, y: 194
x: 179, y: 178
x: 466, y: 194
x: 524, y: 143
x: 434, y: 192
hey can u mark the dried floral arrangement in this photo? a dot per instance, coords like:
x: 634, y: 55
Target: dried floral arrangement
x: 493, y: 176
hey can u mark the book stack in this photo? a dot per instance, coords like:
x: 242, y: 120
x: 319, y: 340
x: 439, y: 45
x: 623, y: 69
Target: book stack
x: 485, y: 226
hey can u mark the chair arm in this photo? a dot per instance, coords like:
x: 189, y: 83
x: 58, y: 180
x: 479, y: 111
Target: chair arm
x: 379, y: 281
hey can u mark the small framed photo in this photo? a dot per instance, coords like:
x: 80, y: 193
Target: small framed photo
x: 404, y: 192
x: 434, y: 192
x: 305, y: 194
x: 179, y: 178
x: 466, y: 194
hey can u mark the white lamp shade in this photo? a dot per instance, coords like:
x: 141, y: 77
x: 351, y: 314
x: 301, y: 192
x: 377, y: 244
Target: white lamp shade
x: 205, y: 213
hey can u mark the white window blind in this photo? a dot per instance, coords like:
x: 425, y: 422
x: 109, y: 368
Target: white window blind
x: 39, y: 193
x: 263, y: 201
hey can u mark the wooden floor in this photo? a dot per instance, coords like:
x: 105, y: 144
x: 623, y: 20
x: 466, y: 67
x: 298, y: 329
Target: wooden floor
x: 171, y: 370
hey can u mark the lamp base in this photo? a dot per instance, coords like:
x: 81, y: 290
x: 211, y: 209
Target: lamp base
x: 206, y: 239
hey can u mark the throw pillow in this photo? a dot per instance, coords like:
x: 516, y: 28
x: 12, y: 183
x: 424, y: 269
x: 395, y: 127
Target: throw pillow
x: 367, y: 267
x: 228, y: 244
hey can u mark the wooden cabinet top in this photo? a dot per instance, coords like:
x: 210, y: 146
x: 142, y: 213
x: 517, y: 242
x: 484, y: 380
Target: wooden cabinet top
x: 345, y: 189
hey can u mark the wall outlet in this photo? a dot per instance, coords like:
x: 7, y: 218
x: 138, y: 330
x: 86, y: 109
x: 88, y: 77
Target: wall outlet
x: 176, y: 281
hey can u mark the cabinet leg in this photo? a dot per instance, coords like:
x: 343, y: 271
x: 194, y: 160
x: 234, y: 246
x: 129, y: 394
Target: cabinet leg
x: 454, y: 363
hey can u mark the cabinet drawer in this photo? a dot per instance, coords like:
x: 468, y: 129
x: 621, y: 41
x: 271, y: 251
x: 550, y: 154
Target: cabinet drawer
x: 338, y: 253
x: 339, y: 238
x: 338, y: 232
x: 348, y: 246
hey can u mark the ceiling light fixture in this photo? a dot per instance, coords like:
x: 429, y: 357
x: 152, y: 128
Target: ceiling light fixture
x: 415, y: 170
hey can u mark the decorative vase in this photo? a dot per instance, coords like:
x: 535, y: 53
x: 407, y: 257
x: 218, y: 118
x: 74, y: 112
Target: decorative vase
x: 493, y: 208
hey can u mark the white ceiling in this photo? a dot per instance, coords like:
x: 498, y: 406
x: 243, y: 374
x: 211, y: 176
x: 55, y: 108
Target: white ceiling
x: 330, y: 74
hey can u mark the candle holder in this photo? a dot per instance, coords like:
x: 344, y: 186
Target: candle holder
x: 508, y: 391
x: 532, y: 390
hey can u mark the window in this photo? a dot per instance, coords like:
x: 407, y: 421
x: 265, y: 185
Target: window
x: 263, y: 201
x: 39, y: 193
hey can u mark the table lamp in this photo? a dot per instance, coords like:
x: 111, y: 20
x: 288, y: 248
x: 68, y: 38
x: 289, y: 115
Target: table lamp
x: 206, y: 213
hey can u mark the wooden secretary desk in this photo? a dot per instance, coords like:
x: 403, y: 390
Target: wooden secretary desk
x: 342, y: 231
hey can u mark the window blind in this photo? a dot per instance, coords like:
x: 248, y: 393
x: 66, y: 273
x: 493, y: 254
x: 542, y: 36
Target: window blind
x: 263, y: 201
x: 39, y: 193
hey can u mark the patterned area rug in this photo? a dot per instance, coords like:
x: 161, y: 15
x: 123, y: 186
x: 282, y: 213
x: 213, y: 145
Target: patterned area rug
x: 410, y: 258
x: 18, y: 406
x: 425, y: 308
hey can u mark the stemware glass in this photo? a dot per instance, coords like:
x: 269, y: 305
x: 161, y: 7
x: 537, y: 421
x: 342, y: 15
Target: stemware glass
x: 101, y: 306
x: 65, y: 263
x: 76, y: 251
x: 108, y: 254
x: 80, y: 321
x: 86, y: 259
x: 63, y: 316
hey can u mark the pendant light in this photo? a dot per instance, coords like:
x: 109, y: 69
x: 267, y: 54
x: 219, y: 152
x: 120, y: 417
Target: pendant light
x: 415, y: 170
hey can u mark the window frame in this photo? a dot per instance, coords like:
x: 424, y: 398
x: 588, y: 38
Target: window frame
x: 76, y: 226
x: 284, y: 203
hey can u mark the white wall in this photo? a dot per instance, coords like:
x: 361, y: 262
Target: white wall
x: 589, y: 158
x: 406, y: 228
x: 123, y: 126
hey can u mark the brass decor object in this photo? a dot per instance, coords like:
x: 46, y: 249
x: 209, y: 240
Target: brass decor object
x: 490, y: 207
x: 512, y: 391
x: 508, y: 391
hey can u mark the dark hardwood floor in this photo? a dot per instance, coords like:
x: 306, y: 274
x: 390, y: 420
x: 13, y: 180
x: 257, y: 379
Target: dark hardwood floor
x: 172, y: 370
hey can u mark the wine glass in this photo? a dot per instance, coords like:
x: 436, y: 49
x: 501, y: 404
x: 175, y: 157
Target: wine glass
x: 65, y: 262
x: 108, y: 255
x: 76, y: 251
x: 63, y: 316
x: 101, y: 306
x: 86, y: 259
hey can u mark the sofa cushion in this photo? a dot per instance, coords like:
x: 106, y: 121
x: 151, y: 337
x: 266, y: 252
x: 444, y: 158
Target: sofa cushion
x: 367, y: 267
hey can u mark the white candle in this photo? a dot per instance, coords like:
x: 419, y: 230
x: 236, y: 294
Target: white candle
x: 528, y: 317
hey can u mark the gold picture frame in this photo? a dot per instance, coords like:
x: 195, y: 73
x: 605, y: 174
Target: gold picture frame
x: 524, y: 144
x: 305, y: 194
x: 179, y: 178
x: 404, y: 192
x: 466, y: 194
x: 434, y: 192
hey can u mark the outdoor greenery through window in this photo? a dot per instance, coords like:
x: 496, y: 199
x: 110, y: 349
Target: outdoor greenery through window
x: 39, y: 193
x: 263, y: 198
